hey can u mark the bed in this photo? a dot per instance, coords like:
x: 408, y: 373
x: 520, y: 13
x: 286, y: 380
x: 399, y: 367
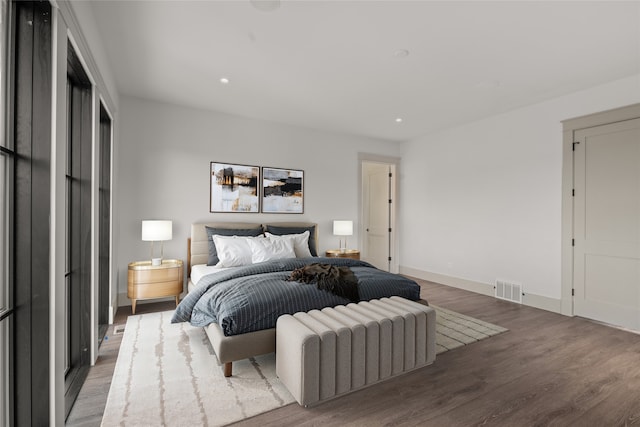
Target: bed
x: 245, y: 331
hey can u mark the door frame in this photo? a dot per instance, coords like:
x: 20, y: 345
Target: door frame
x: 569, y: 127
x: 101, y: 144
x: 113, y: 294
x: 80, y: 223
x: 395, y: 163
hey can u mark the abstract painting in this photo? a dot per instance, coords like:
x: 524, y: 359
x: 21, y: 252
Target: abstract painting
x: 234, y: 188
x: 282, y: 190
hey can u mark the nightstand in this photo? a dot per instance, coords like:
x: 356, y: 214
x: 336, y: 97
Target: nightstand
x: 148, y: 281
x: 337, y: 253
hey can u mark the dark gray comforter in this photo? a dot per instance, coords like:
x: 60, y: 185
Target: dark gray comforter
x: 251, y: 298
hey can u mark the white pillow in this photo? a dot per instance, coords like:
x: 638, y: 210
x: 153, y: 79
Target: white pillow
x: 300, y: 242
x: 233, y: 251
x: 265, y: 249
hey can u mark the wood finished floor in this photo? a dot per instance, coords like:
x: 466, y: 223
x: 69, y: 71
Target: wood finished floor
x: 547, y: 370
x: 89, y: 406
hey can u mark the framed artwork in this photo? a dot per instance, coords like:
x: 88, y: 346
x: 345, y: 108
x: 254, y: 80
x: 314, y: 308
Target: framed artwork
x: 234, y: 188
x: 282, y: 190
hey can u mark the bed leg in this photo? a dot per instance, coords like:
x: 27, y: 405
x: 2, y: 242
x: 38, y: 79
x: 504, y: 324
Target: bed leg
x: 228, y: 367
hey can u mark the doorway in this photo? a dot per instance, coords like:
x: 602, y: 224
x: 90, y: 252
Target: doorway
x: 607, y: 223
x: 605, y: 220
x: 378, y: 213
x: 104, y: 225
x: 78, y: 225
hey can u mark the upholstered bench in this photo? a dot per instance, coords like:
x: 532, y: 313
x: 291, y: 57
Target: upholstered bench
x: 326, y: 353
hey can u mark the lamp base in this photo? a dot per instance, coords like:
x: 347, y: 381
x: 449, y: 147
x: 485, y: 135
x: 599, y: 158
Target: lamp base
x: 156, y: 261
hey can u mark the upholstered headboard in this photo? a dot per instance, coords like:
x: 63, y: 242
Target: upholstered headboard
x: 198, y: 243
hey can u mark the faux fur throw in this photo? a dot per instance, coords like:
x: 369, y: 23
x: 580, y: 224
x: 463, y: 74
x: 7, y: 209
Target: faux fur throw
x: 338, y: 280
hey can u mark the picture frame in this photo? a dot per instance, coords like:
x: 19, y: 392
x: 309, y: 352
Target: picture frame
x: 234, y: 188
x: 282, y: 190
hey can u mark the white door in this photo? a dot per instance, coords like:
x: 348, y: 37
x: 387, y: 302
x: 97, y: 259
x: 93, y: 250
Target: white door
x: 376, y: 214
x: 606, y: 276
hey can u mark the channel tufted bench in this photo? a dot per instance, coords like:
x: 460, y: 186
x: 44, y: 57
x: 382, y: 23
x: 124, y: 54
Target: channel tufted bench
x: 325, y: 353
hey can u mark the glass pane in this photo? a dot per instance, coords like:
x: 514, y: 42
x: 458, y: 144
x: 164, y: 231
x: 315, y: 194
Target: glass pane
x: 4, y: 285
x: 4, y: 162
x: 4, y: 371
x: 5, y: 194
x: 67, y: 321
x: 4, y: 31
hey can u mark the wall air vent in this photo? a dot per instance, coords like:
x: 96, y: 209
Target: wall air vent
x: 509, y: 291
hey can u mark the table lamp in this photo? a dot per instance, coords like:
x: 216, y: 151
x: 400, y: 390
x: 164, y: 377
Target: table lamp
x: 342, y: 228
x: 156, y: 231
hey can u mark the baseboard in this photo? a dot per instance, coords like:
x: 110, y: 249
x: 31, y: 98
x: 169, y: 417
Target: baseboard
x: 112, y: 314
x: 456, y: 282
x: 542, y: 302
x: 123, y: 300
x: 531, y: 300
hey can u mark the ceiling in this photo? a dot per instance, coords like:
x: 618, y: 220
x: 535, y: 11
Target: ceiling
x: 340, y: 65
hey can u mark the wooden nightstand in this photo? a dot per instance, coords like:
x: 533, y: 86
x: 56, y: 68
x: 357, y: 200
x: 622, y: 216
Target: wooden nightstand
x: 148, y: 281
x: 337, y: 253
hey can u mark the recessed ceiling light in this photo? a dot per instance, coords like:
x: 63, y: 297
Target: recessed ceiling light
x: 224, y: 80
x: 401, y: 53
x: 398, y: 119
x: 265, y: 5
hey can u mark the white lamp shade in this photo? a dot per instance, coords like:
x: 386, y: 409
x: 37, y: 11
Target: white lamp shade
x: 156, y: 231
x: 342, y: 228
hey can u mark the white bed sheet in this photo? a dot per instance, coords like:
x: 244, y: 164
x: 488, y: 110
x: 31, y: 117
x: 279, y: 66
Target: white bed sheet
x: 201, y: 270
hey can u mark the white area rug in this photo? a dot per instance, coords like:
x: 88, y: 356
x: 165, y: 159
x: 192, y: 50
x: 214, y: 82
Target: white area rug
x: 167, y: 374
x: 454, y: 330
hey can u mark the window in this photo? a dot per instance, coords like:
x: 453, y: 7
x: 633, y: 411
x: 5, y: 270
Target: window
x: 29, y: 128
x: 6, y: 248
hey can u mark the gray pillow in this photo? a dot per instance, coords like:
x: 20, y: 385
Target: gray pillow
x: 274, y: 229
x: 213, y: 252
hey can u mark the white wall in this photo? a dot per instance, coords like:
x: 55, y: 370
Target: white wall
x: 483, y: 201
x: 163, y: 163
x: 88, y: 31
